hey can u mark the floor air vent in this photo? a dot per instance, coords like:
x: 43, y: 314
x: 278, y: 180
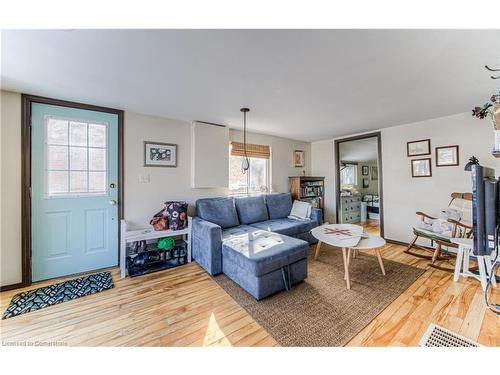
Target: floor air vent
x: 439, y: 336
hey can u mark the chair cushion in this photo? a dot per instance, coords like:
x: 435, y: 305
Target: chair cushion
x: 431, y: 235
x: 220, y: 211
x: 288, y: 227
x: 251, y: 209
x: 265, y: 253
x: 278, y: 205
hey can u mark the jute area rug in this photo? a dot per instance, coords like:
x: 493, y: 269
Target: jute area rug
x: 321, y: 311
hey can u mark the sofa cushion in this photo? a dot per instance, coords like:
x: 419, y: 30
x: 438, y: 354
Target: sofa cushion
x: 278, y: 205
x: 240, y: 230
x: 251, y: 209
x: 220, y: 211
x: 264, y: 252
x: 288, y: 227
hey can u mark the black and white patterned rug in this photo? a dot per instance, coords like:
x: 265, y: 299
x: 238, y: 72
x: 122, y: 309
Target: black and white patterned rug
x: 36, y: 299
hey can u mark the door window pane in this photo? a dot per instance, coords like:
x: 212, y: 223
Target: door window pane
x: 58, y: 181
x: 57, y: 132
x: 97, y: 135
x: 97, y: 159
x: 77, y: 134
x: 76, y: 157
x: 57, y: 157
x: 78, y: 182
x: 97, y: 181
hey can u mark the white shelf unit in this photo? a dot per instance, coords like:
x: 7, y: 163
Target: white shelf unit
x: 129, y: 236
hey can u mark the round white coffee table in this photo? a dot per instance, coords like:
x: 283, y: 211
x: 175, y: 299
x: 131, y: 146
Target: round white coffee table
x: 350, y: 238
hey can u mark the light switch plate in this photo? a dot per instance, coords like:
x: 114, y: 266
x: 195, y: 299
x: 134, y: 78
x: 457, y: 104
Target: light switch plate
x: 144, y: 178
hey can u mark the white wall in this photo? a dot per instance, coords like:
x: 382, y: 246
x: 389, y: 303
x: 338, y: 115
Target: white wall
x: 322, y: 165
x: 404, y: 195
x: 142, y: 199
x: 10, y: 188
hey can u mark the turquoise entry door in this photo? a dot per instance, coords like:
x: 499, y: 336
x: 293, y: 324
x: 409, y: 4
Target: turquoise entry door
x: 74, y: 191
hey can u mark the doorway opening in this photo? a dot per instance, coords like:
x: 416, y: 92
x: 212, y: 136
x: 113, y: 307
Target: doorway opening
x: 358, y: 181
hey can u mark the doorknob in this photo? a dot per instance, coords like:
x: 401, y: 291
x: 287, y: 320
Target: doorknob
x: 112, y: 202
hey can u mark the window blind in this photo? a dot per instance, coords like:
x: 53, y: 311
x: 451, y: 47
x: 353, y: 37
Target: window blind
x: 253, y: 151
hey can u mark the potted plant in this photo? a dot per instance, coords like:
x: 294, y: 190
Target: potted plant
x: 491, y: 109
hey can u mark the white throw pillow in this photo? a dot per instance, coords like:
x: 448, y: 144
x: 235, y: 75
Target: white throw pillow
x: 300, y: 210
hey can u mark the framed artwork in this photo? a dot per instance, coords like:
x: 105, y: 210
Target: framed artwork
x: 421, y: 168
x: 418, y: 148
x: 366, y: 183
x: 364, y: 170
x: 158, y: 154
x: 298, y: 158
x: 374, y: 175
x: 447, y: 156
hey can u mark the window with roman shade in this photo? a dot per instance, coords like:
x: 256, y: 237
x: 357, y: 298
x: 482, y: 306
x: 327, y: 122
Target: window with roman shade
x: 257, y: 179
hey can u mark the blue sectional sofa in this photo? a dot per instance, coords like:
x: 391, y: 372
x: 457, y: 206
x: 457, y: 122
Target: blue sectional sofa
x: 252, y: 241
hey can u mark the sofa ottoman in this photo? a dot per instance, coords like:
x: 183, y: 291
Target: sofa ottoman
x: 262, y: 262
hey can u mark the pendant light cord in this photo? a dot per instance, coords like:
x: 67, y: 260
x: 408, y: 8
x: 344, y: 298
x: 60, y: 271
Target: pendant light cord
x: 244, y: 170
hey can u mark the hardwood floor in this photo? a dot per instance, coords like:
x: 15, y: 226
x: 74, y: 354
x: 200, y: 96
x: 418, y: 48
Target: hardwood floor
x: 184, y: 307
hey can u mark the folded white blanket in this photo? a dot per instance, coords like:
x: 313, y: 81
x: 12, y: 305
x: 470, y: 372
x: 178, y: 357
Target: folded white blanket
x: 300, y: 211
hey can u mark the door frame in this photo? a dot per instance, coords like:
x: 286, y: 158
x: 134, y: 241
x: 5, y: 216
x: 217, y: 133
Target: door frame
x: 26, y: 102
x: 337, y: 143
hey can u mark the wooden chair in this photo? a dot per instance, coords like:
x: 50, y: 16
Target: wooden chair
x: 461, y: 202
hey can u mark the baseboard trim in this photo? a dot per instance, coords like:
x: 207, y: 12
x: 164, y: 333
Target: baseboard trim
x: 5, y: 288
x: 396, y: 242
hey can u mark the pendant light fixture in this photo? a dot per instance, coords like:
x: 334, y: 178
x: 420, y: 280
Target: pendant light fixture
x: 245, y: 164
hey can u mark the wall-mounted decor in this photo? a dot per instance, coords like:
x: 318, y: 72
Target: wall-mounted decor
x: 298, y: 158
x: 158, y: 154
x: 447, y: 156
x: 374, y: 175
x: 366, y: 183
x: 421, y: 168
x: 418, y: 148
x: 364, y: 170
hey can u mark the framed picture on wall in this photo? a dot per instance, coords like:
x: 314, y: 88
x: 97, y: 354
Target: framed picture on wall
x: 365, y: 170
x: 366, y: 183
x: 447, y: 156
x: 158, y: 154
x: 421, y: 168
x: 418, y: 148
x: 374, y: 175
x: 298, y: 158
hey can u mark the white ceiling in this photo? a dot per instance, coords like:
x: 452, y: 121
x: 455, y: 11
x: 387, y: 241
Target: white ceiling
x: 300, y: 84
x: 360, y: 150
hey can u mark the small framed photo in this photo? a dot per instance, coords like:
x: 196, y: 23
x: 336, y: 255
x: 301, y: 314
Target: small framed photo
x: 447, y: 156
x: 421, y: 168
x: 374, y: 175
x: 298, y: 158
x: 366, y: 183
x: 364, y: 170
x: 418, y: 148
x: 158, y: 154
